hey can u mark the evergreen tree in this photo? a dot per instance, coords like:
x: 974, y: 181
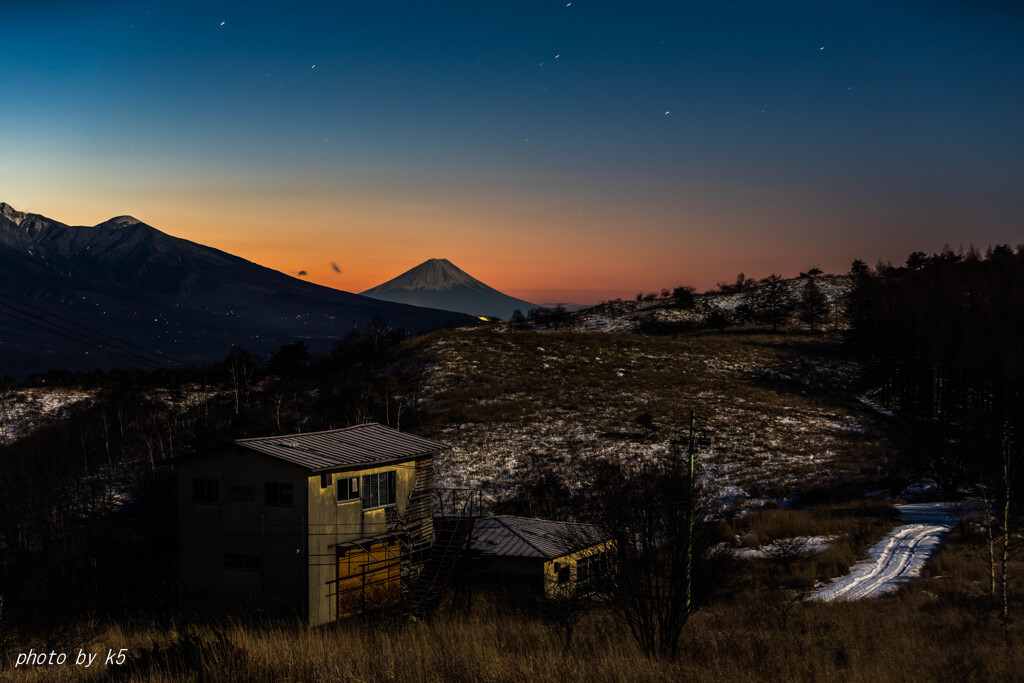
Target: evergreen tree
x: 776, y: 301
x: 684, y: 296
x: 812, y: 304
x: 518, y: 320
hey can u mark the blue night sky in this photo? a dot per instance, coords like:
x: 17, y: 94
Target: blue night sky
x: 555, y: 150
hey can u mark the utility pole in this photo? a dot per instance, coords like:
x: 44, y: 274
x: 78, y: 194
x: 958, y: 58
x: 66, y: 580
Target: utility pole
x: 692, y: 450
x: 1007, y: 493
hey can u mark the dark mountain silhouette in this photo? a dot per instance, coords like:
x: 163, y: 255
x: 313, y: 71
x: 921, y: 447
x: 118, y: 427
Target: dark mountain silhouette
x: 438, y: 283
x: 161, y: 294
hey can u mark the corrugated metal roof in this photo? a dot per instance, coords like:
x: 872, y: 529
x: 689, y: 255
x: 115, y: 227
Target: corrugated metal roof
x: 511, y: 536
x: 363, y: 444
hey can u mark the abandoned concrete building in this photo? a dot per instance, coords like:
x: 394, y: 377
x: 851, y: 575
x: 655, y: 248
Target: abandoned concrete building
x: 323, y: 525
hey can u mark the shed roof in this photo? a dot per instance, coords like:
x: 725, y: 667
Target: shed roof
x: 511, y: 536
x: 337, y: 448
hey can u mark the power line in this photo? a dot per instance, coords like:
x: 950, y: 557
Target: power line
x: 119, y: 353
x: 53, y: 328
x: 89, y: 333
x: 114, y: 347
x: 156, y: 354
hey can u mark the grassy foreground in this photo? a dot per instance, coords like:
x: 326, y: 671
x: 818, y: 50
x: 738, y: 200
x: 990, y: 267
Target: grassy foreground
x: 937, y: 628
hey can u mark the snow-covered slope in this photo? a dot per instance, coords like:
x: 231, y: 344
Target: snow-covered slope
x: 438, y: 283
x: 511, y: 405
x: 23, y: 410
x: 734, y: 308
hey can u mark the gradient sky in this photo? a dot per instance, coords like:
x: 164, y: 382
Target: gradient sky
x: 557, y: 151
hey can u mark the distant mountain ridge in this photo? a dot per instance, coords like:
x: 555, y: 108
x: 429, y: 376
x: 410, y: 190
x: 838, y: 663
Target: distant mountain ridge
x: 127, y: 279
x: 439, y: 283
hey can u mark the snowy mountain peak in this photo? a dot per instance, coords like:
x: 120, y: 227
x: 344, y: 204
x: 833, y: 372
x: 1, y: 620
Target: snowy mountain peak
x: 439, y: 283
x: 433, y: 275
x: 10, y: 213
x: 122, y: 222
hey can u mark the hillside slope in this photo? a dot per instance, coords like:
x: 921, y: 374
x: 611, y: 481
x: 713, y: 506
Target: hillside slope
x: 780, y: 410
x: 63, y: 285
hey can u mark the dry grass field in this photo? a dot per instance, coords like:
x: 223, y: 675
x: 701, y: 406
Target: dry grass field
x: 937, y: 628
x: 782, y: 410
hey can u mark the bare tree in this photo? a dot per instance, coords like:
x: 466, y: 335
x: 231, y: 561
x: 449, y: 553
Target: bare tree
x: 518, y: 320
x: 1009, y: 547
x: 559, y: 316
x: 1003, y: 544
x: 989, y: 524
x: 241, y: 368
x: 7, y: 398
x: 785, y: 552
x: 742, y: 284
x: 667, y: 561
x: 378, y: 326
x: 566, y: 602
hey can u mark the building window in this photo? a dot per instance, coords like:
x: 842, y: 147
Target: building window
x: 379, y: 489
x: 590, y: 569
x: 242, y: 494
x: 245, y: 561
x: 564, y: 572
x: 325, y: 480
x: 205, y: 491
x: 348, y: 489
x: 279, y: 494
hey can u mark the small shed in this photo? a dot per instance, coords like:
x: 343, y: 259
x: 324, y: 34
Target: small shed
x: 541, y: 554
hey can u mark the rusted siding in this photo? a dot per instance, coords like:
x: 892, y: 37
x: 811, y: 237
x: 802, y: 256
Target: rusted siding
x: 369, y: 576
x: 332, y: 524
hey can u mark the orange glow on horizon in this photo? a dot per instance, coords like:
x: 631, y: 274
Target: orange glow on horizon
x: 546, y: 250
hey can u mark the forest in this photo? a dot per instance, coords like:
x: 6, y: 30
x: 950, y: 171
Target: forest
x: 942, y: 337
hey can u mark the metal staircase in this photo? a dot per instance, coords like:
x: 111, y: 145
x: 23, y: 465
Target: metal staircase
x: 455, y: 512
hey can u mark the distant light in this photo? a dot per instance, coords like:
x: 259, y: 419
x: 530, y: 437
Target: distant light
x: 223, y: 22
x: 667, y: 113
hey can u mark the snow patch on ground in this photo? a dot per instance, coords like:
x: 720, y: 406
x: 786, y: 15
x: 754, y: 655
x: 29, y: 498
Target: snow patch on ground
x: 513, y: 410
x: 736, y: 307
x: 880, y: 409
x: 810, y: 545
x: 898, y: 557
x: 23, y: 410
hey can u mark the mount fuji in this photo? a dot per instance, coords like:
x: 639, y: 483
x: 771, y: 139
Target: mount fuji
x: 438, y: 283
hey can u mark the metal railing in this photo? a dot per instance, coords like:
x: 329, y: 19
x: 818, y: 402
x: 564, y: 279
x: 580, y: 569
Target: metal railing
x: 461, y: 503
